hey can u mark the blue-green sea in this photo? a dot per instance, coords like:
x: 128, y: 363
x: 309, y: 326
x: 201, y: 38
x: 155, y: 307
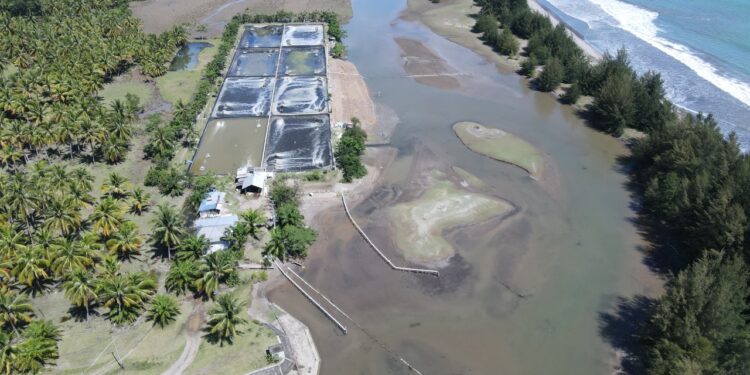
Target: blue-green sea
x: 701, y: 47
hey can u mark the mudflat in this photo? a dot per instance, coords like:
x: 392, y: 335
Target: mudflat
x: 425, y: 66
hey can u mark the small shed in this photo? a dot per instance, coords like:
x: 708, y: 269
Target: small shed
x: 211, y: 204
x: 252, y: 181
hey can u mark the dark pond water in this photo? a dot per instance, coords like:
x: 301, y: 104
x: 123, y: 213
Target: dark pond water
x: 187, y: 57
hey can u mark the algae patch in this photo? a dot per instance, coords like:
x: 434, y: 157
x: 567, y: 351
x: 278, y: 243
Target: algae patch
x: 501, y: 146
x: 420, y: 223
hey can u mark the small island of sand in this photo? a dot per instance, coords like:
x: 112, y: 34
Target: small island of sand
x: 502, y: 146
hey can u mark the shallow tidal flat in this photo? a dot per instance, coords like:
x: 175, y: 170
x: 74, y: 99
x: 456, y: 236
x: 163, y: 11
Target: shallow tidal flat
x: 502, y: 146
x: 420, y: 224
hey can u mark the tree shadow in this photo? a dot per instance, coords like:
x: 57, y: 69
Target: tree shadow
x: 623, y: 327
x: 660, y: 253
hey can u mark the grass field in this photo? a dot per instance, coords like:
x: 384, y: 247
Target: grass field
x: 117, y: 90
x: 501, y: 146
x: 8, y: 71
x: 247, y: 353
x: 180, y: 85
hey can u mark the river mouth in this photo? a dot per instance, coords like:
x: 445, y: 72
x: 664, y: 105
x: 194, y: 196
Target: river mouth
x: 520, y: 296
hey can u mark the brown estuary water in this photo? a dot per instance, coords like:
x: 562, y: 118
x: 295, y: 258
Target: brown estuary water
x: 570, y: 250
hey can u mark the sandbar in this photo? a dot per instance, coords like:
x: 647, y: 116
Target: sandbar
x: 501, y: 146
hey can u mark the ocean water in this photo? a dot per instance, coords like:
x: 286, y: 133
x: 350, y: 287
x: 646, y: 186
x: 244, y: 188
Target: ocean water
x: 701, y: 48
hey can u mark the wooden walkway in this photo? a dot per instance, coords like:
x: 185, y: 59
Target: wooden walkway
x: 385, y: 258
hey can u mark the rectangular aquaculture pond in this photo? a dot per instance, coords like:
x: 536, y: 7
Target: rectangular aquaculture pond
x: 228, y: 144
x: 259, y: 62
x: 244, y: 97
x: 300, y: 95
x: 276, y: 85
x: 298, y: 143
x: 303, y: 61
x: 262, y: 36
x: 303, y: 35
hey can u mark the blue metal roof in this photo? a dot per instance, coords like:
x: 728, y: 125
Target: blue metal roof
x: 218, y: 221
x: 211, y: 201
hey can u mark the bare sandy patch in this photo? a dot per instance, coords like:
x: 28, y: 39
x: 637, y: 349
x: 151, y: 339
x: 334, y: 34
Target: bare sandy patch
x: 454, y: 19
x: 350, y: 97
x: 425, y: 66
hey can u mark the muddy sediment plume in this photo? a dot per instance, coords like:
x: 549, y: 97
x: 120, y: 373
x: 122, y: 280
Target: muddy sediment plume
x: 297, y: 143
x: 262, y: 36
x: 255, y: 62
x: 303, y: 35
x: 244, y: 97
x: 300, y: 95
x: 303, y: 61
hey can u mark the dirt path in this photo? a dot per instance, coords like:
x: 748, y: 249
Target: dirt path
x: 193, y: 341
x: 350, y: 98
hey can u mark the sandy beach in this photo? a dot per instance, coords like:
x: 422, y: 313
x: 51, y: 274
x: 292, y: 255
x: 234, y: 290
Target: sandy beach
x: 588, y: 49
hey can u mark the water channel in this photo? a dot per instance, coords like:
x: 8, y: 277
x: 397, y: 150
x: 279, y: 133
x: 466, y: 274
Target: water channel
x: 571, y: 249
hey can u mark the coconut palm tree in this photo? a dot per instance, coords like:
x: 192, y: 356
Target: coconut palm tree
x: 34, y: 354
x: 62, y: 215
x: 168, y: 227
x: 12, y: 241
x: 124, y: 295
x: 116, y: 186
x: 30, y: 268
x: 254, y: 220
x: 126, y: 241
x: 107, y: 216
x: 109, y: 267
x: 19, y: 199
x: 275, y: 247
x: 139, y: 201
x: 164, y: 309
x: 70, y: 256
x: 214, y: 269
x: 81, y: 179
x: 225, y: 319
x: 114, y: 150
x: 80, y: 290
x: 15, y: 310
x: 181, y: 276
x: 192, y: 247
x: 8, y: 352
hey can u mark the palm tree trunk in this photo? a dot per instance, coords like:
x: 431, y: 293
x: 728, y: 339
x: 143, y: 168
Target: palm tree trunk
x: 169, y: 251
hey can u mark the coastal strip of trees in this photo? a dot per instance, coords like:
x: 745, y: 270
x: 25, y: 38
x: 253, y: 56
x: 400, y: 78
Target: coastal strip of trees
x: 693, y: 184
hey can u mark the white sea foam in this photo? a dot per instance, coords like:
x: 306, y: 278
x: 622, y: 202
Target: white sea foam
x: 642, y: 23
